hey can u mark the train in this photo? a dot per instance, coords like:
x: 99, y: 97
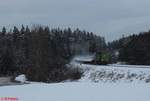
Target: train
x: 100, y: 58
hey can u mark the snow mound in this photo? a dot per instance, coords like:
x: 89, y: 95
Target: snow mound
x: 21, y: 78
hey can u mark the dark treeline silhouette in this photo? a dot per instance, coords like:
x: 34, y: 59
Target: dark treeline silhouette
x: 42, y: 54
x: 134, y: 49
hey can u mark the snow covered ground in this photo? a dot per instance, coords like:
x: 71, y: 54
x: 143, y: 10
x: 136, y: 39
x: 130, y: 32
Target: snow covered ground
x: 111, y: 73
x: 99, y: 83
x: 77, y: 91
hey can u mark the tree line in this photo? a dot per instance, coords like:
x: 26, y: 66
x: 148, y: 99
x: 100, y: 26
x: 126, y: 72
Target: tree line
x: 42, y: 53
x: 133, y: 49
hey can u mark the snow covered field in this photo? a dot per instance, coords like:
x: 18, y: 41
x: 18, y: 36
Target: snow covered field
x: 111, y: 73
x: 77, y: 91
x: 99, y: 83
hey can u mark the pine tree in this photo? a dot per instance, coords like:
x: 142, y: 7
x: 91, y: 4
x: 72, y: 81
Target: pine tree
x: 22, y: 31
x: 15, y: 34
x: 3, y: 31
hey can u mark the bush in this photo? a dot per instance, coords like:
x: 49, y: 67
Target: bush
x: 58, y: 75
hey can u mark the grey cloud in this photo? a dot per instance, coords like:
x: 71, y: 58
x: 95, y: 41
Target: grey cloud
x: 109, y: 18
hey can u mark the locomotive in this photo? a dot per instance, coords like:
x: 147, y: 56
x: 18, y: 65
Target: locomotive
x: 101, y: 58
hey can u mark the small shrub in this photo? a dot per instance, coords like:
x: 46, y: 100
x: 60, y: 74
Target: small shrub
x: 58, y: 75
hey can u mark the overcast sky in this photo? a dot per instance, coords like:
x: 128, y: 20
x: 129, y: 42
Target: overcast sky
x: 109, y: 18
